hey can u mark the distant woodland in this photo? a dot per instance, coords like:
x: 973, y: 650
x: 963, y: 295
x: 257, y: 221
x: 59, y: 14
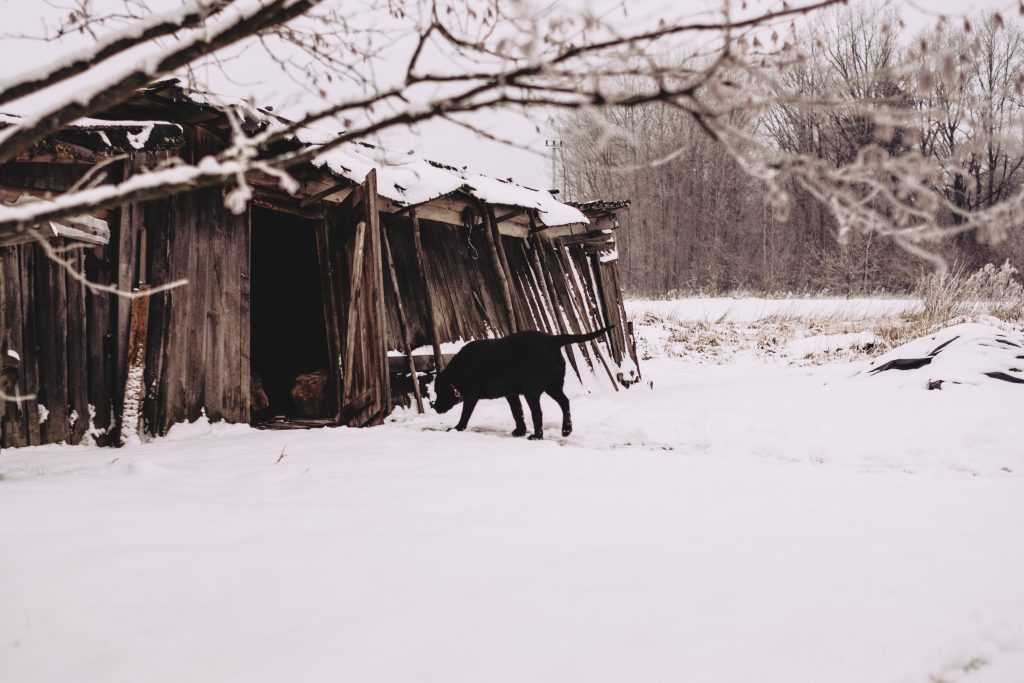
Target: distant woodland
x: 700, y: 223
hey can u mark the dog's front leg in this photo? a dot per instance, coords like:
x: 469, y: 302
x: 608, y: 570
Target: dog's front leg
x: 533, y: 400
x: 467, y: 411
x: 517, y: 414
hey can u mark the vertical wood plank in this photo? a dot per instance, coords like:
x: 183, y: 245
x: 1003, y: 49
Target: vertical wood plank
x: 404, y: 328
x: 432, y: 312
x: 490, y: 229
x: 77, y: 351
x: 379, y: 347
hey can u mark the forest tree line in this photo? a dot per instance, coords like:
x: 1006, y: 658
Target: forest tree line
x: 700, y: 223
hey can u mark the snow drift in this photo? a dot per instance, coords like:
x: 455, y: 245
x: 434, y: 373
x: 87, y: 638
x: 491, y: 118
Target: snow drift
x: 969, y: 353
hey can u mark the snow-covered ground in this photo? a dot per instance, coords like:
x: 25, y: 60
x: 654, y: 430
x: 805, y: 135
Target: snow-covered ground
x: 758, y: 520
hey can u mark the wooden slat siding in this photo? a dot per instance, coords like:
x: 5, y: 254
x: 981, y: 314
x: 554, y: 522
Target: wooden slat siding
x: 520, y: 289
x: 538, y: 288
x: 518, y: 259
x: 50, y: 295
x: 379, y: 356
x: 100, y: 314
x: 535, y: 316
x: 441, y: 243
x: 505, y: 244
x: 560, y: 285
x: 526, y: 279
x: 197, y: 356
x: 31, y: 330
x: 540, y: 264
x: 123, y: 239
x: 490, y: 228
x: 534, y: 290
x: 161, y: 238
x: 610, y: 311
x: 329, y: 289
x: 13, y: 421
x: 610, y: 277
x: 77, y: 350
x: 579, y: 261
x: 576, y: 259
x: 579, y: 301
x: 428, y: 292
x: 403, y: 327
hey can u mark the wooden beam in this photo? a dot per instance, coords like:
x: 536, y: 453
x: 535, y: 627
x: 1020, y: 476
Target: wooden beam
x: 510, y: 215
x: 381, y: 351
x: 403, y: 327
x: 564, y: 230
x: 332, y: 191
x: 356, y: 285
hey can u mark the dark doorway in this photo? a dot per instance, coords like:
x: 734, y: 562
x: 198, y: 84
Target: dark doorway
x: 289, y: 355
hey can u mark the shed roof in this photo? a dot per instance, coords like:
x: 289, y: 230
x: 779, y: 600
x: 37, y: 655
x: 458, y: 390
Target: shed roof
x: 402, y: 177
x: 104, y: 135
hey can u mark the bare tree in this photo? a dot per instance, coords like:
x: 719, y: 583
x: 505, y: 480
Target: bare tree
x: 865, y: 142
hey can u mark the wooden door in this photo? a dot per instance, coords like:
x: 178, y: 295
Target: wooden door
x: 350, y: 256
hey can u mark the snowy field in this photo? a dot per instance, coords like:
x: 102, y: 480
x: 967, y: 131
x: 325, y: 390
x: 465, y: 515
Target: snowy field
x: 761, y: 519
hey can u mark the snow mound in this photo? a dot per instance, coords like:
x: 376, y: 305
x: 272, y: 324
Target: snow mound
x: 970, y: 353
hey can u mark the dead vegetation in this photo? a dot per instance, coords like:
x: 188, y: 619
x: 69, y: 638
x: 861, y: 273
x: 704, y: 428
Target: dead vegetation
x: 988, y: 294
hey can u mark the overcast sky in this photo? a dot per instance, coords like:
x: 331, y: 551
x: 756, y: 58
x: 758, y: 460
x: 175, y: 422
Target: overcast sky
x: 251, y: 72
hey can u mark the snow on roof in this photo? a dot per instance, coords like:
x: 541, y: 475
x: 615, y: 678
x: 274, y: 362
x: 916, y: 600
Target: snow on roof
x: 969, y: 353
x: 408, y: 180
x: 401, y: 177
x: 130, y: 134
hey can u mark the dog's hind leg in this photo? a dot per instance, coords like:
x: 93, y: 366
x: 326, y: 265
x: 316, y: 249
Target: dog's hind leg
x: 533, y: 400
x: 467, y: 412
x: 555, y: 392
x: 517, y: 414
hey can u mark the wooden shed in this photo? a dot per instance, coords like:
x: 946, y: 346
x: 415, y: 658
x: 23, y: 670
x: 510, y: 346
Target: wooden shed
x: 335, y: 285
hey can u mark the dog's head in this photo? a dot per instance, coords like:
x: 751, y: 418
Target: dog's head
x: 447, y: 393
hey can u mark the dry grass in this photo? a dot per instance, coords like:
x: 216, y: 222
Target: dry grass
x: 954, y: 298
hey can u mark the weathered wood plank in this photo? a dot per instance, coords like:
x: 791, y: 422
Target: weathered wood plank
x: 352, y: 318
x: 77, y: 351
x: 379, y: 358
x: 553, y: 299
x: 50, y: 297
x: 404, y: 328
x: 490, y: 229
x: 435, y: 338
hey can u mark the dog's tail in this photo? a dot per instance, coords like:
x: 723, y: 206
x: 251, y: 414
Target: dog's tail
x: 563, y: 339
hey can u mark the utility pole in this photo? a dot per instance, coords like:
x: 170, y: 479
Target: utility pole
x: 554, y: 145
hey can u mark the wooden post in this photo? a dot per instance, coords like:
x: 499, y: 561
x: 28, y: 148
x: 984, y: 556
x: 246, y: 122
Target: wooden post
x: 353, y: 309
x: 328, y: 285
x: 422, y: 271
x: 403, y: 327
x: 491, y: 232
x: 380, y: 348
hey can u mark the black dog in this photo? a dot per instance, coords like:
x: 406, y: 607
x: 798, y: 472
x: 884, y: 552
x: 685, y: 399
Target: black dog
x: 527, y: 363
